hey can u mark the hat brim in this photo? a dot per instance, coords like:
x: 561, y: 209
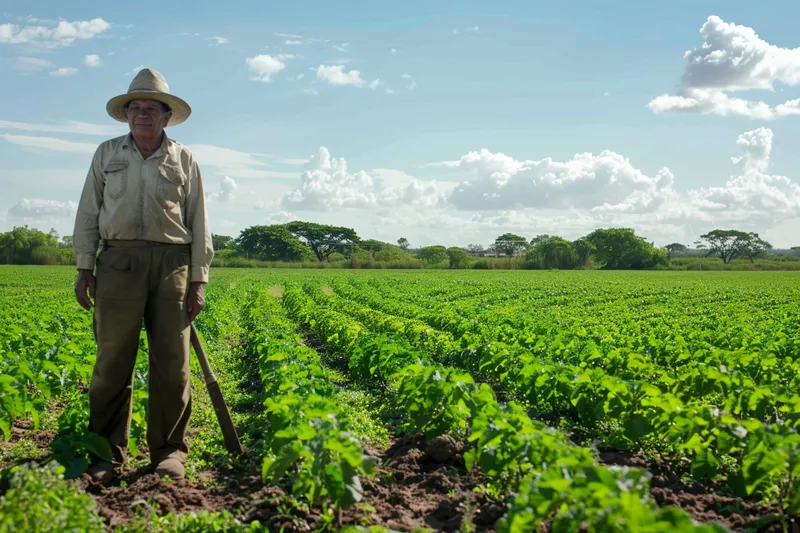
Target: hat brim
x: 180, y: 109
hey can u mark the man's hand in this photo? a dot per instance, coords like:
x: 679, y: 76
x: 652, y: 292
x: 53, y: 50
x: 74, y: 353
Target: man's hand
x: 86, y: 280
x: 197, y: 300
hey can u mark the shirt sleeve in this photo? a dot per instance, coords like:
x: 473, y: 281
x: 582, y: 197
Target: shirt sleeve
x: 202, y: 249
x: 86, y: 232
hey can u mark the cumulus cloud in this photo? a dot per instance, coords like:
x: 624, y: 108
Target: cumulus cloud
x: 585, y: 181
x: 34, y: 208
x: 610, y: 189
x: 226, y: 189
x: 754, y: 193
x: 265, y: 66
x: 733, y: 58
x: 327, y: 184
x: 335, y: 75
x: 63, y: 34
x: 93, y: 61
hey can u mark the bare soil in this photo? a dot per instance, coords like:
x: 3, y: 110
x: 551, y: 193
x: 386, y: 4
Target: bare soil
x: 411, y: 490
x: 702, y: 503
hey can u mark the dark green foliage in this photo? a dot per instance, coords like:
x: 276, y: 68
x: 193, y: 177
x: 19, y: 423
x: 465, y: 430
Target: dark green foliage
x: 38, y: 499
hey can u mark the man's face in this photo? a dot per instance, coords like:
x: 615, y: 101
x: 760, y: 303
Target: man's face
x: 147, y: 119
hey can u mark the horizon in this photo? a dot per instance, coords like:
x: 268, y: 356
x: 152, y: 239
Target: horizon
x: 446, y: 124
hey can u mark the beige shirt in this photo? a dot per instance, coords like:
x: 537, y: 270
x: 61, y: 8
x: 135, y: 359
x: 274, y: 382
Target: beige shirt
x: 158, y: 199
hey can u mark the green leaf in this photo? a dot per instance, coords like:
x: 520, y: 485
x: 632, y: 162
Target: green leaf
x: 97, y: 445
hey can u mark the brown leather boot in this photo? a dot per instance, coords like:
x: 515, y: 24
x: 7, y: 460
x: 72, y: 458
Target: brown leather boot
x: 101, y: 471
x: 171, y: 467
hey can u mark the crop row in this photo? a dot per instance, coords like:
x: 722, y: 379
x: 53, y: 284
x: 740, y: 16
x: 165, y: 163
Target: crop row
x: 542, y: 476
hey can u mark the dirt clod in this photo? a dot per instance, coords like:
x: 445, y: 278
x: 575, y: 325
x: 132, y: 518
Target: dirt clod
x: 442, y: 448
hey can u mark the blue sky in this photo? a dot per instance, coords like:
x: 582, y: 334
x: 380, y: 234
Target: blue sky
x: 485, y: 117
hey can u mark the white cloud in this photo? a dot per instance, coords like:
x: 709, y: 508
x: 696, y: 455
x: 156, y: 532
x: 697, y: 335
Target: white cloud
x: 406, y: 76
x: 218, y: 40
x: 610, y: 190
x: 64, y: 72
x: 297, y: 77
x: 327, y: 184
x: 733, y: 58
x: 335, y: 75
x: 292, y: 43
x: 264, y: 66
x: 225, y: 193
x: 393, y: 50
x: 389, y: 91
x: 69, y: 126
x: 50, y: 144
x: 311, y: 92
x: 374, y: 84
x: 93, y: 60
x: 63, y: 34
x: 342, y: 47
x: 412, y: 85
x: 586, y: 181
x: 34, y: 208
x: 289, y: 35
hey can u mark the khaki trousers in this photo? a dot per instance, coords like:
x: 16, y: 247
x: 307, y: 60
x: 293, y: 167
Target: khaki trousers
x: 141, y: 282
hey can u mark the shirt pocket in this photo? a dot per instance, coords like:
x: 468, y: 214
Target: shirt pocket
x: 171, y: 186
x: 116, y: 173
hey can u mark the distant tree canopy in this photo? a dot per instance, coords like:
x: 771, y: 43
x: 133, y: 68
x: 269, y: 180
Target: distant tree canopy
x: 458, y: 257
x: 433, y: 254
x: 298, y: 241
x: 23, y: 246
x: 729, y: 244
x: 509, y: 244
x: 674, y: 247
x: 324, y: 239
x: 222, y: 242
x: 272, y: 243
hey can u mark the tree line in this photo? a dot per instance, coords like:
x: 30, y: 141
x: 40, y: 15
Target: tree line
x: 308, y: 242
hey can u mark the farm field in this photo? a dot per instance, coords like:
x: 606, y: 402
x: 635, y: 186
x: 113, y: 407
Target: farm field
x: 470, y: 401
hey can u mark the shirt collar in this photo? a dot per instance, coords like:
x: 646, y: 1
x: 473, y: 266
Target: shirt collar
x: 163, y: 152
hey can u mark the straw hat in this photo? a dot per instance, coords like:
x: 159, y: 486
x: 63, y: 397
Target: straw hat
x: 150, y: 84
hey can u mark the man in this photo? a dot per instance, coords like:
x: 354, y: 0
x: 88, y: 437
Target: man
x: 143, y: 197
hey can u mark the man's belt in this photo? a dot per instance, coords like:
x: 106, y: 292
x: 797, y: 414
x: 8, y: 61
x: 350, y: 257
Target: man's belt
x: 112, y: 243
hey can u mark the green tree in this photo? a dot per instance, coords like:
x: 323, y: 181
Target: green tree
x: 754, y: 247
x: 433, y: 254
x: 674, y: 247
x: 403, y: 243
x: 509, y: 244
x: 474, y: 247
x: 66, y: 241
x: 726, y: 244
x: 272, y: 243
x: 583, y: 252
x: 381, y: 251
x: 458, y: 257
x: 18, y: 245
x: 222, y: 242
x: 554, y: 252
x: 540, y: 239
x: 796, y: 250
x: 324, y: 239
x: 621, y: 248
